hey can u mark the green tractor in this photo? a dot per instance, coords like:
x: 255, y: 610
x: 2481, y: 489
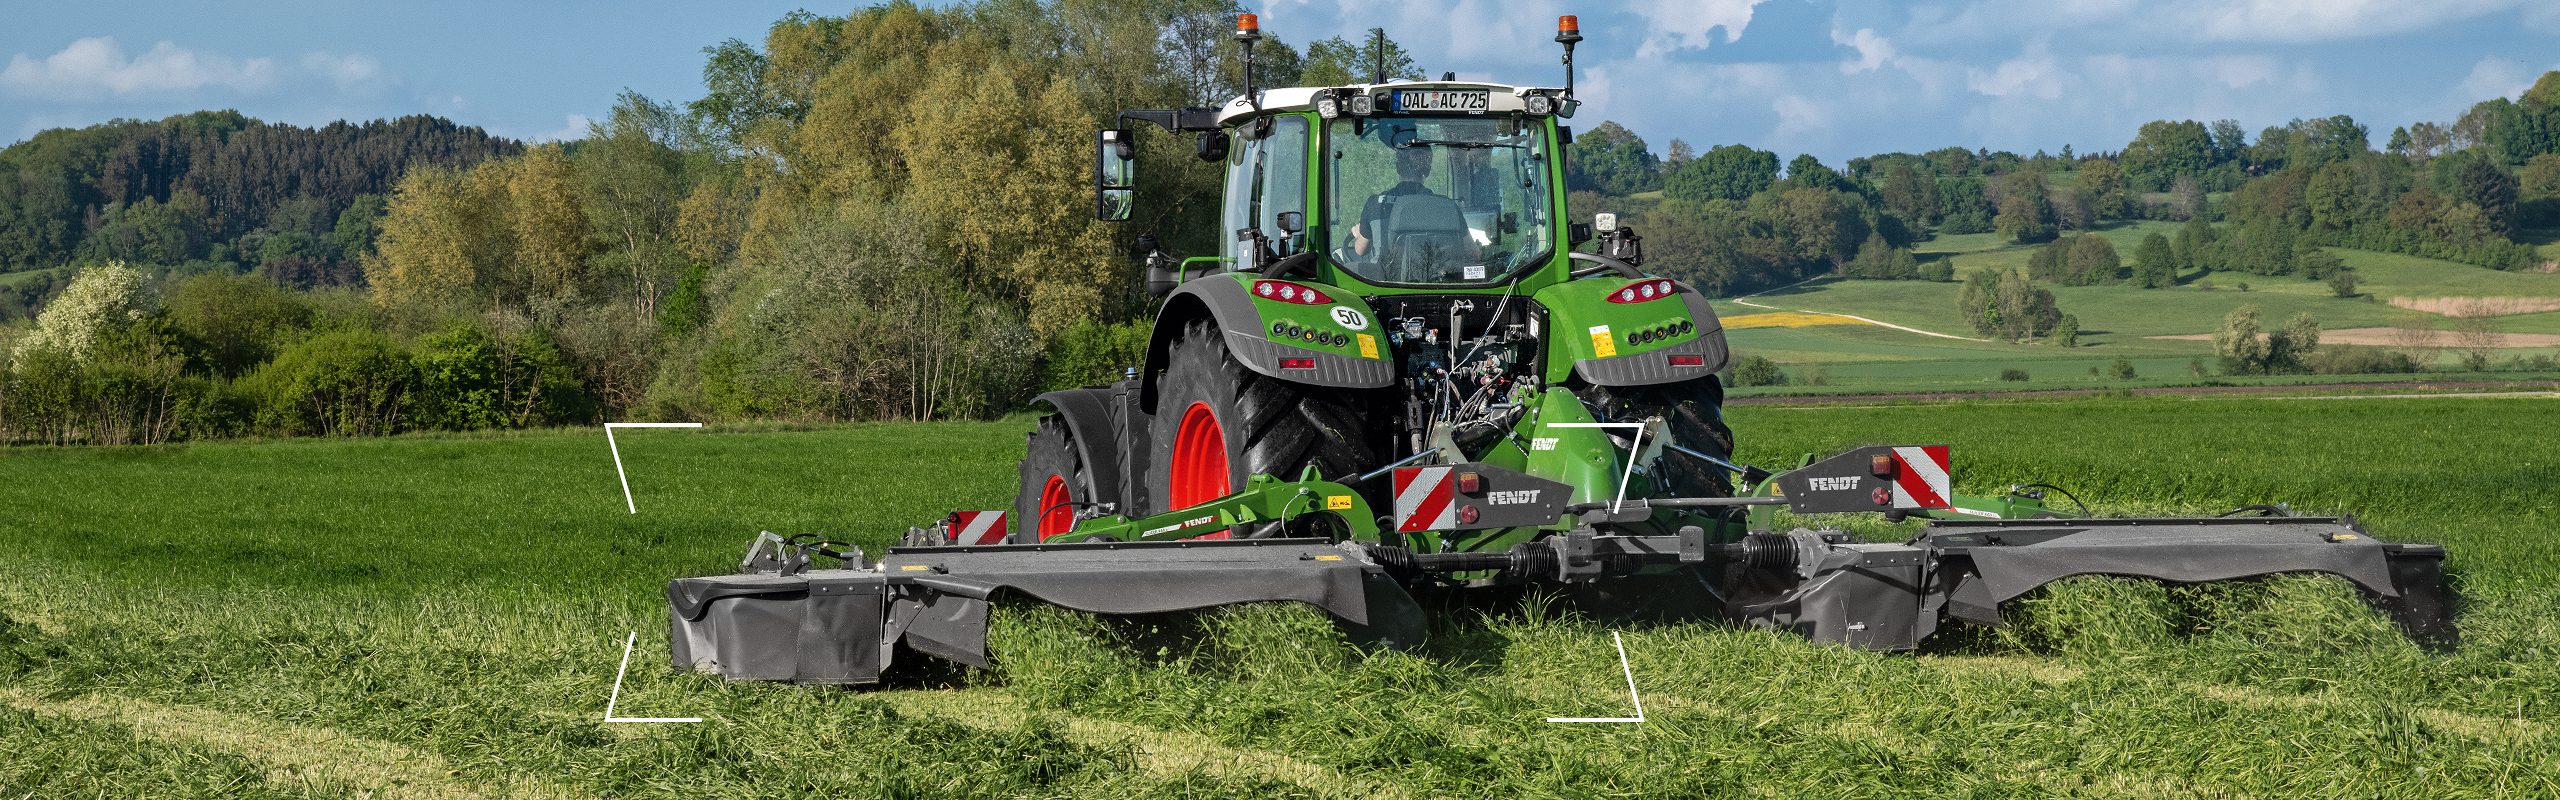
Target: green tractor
x: 1399, y: 374
x: 1397, y: 286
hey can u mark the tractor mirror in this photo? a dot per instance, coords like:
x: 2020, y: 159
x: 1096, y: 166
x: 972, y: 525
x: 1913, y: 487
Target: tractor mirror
x: 1292, y: 221
x: 1578, y: 233
x: 1115, y: 175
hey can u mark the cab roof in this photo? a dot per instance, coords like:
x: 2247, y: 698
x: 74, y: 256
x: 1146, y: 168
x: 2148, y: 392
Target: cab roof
x: 1303, y: 98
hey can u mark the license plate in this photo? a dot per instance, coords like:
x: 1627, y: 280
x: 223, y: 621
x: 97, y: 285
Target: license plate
x: 1434, y: 100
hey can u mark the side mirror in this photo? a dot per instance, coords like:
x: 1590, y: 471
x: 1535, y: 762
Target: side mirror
x: 1115, y: 175
x: 1577, y: 233
x: 1292, y: 222
x: 1211, y: 146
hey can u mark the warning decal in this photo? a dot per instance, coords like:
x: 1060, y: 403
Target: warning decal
x: 1424, y: 499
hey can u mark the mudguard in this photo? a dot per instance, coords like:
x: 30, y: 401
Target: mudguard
x: 1087, y: 412
x: 1591, y: 335
x: 1362, y: 361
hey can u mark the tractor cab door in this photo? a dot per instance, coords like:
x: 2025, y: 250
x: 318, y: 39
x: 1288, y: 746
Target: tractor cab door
x: 1266, y: 177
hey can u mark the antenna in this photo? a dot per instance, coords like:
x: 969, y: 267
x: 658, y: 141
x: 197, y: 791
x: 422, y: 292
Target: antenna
x: 1568, y: 31
x: 1380, y: 48
x: 1249, y: 31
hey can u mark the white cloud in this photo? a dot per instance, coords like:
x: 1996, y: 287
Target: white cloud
x: 1873, y: 50
x: 2320, y: 20
x: 2495, y: 77
x: 348, y: 72
x: 576, y: 130
x: 98, y: 66
x: 1798, y: 116
x: 2242, y: 71
x: 2033, y: 73
x: 1678, y: 24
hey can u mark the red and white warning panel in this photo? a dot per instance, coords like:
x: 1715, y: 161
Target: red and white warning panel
x: 1472, y: 497
x: 1904, y: 477
x: 1423, y: 496
x: 974, y: 527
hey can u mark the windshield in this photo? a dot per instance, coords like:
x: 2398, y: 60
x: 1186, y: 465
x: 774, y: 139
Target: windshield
x: 1421, y: 200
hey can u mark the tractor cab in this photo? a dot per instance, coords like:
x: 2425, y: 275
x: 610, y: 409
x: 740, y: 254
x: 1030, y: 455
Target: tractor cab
x: 1412, y: 185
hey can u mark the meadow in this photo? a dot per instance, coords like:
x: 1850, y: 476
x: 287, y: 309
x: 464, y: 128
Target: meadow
x: 2115, y: 321
x: 441, y: 617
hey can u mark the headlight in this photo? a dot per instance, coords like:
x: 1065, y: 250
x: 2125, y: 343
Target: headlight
x: 1327, y: 108
x: 1539, y: 104
x: 1362, y: 105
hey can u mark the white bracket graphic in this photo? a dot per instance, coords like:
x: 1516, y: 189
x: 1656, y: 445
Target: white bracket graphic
x: 617, y: 452
x: 616, y: 699
x: 1633, y: 451
x: 1631, y: 689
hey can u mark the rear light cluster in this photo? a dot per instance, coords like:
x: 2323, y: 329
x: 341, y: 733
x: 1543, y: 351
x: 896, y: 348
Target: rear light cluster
x: 1640, y: 292
x: 1660, y: 332
x: 1297, y: 363
x: 1287, y: 330
x: 1289, y: 292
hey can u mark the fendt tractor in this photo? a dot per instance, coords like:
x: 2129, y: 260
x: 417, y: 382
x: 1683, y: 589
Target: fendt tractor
x: 1401, y: 375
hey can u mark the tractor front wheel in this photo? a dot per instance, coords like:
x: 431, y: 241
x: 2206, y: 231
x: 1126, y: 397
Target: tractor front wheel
x: 1217, y: 422
x: 1054, y: 483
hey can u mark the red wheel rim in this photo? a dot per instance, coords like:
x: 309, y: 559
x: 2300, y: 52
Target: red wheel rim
x: 1055, y: 515
x: 1198, y: 473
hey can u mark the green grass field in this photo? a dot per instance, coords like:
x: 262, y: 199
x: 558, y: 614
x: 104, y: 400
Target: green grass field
x: 441, y: 618
x: 2115, y: 321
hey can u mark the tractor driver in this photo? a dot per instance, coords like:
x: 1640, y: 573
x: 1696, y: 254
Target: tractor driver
x: 1413, y: 166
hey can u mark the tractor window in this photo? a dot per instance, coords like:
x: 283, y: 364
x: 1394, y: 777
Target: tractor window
x: 1264, y: 178
x: 1420, y: 200
x: 1283, y: 186
x: 1244, y: 171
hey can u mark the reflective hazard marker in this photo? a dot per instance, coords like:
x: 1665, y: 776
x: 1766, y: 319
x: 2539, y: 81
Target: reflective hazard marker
x: 1424, y: 499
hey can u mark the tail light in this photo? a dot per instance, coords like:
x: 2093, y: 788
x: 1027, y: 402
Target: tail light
x: 1290, y: 292
x: 1297, y: 363
x: 1643, y: 291
x: 1688, y: 361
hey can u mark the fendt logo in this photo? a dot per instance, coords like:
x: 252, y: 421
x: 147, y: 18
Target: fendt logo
x: 1518, y: 498
x: 1834, y: 484
x: 1349, y: 317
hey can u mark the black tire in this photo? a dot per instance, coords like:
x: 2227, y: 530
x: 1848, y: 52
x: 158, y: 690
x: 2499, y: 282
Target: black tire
x: 1269, y: 426
x: 1049, y: 452
x: 1695, y: 409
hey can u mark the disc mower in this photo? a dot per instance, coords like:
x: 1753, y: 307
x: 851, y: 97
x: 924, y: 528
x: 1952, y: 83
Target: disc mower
x: 1403, y: 371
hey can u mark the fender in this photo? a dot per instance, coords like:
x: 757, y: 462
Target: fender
x: 1576, y: 305
x: 1087, y: 412
x: 1227, y: 297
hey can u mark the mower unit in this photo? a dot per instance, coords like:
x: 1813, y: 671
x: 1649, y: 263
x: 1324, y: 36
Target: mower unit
x: 1397, y: 373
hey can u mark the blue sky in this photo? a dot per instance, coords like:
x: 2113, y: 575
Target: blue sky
x: 1837, y: 79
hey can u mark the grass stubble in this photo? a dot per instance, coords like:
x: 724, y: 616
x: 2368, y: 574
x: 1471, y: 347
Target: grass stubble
x: 373, y: 591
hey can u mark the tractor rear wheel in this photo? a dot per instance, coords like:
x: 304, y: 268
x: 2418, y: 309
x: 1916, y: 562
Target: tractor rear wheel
x: 1217, y: 422
x: 1054, y: 483
x: 1695, y: 410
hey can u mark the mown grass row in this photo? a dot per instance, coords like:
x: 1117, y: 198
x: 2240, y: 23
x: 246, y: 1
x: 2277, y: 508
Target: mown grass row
x: 466, y: 598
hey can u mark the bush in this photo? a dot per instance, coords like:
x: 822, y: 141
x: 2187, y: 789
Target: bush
x: 1938, y: 270
x: 2353, y: 359
x: 2342, y: 282
x: 1757, y: 371
x: 343, y: 383
x: 2013, y: 375
x: 1089, y: 353
x: 2067, y: 332
x: 469, y: 380
x: 2121, y: 370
